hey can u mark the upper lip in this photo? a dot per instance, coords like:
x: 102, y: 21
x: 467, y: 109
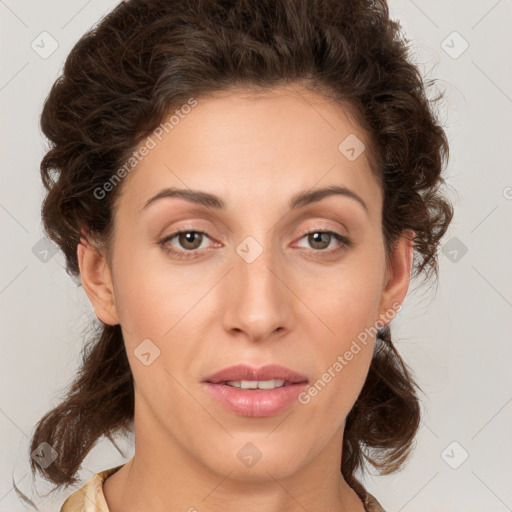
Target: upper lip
x: 245, y: 372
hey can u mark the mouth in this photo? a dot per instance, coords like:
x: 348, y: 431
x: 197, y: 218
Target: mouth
x: 247, y: 391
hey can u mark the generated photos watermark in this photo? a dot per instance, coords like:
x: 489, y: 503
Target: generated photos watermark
x: 343, y: 360
x: 144, y: 149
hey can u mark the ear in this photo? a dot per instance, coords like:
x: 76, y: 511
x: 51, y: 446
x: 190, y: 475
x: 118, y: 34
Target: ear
x: 397, y: 277
x: 97, y: 281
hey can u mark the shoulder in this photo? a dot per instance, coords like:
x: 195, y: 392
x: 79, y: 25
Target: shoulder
x: 370, y: 502
x: 90, y: 498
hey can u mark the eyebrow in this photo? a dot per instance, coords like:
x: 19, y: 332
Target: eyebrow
x: 297, y: 201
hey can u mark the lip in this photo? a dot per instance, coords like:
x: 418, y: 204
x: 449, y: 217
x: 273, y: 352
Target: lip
x: 256, y: 402
x: 246, y: 372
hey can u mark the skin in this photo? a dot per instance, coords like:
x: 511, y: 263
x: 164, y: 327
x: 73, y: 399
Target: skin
x: 294, y: 305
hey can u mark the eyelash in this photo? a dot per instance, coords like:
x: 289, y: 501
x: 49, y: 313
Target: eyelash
x: 182, y: 254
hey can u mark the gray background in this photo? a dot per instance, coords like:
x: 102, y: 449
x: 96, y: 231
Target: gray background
x: 456, y: 337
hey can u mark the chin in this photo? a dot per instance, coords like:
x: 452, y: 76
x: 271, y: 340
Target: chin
x: 251, y: 463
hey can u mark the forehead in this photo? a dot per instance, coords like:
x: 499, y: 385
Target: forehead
x: 253, y: 148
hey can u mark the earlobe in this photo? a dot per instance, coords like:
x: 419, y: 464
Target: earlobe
x: 96, y: 281
x: 397, y: 278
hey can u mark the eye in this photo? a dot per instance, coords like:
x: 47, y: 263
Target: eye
x: 188, y: 239
x: 320, y: 241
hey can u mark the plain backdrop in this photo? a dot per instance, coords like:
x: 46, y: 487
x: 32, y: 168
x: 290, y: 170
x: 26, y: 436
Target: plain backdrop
x: 456, y: 336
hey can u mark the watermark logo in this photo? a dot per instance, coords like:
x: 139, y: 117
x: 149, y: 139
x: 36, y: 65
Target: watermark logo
x: 44, y: 45
x: 44, y: 455
x: 146, y: 352
x: 454, y: 249
x: 249, y: 454
x: 454, y: 455
x: 44, y: 250
x: 352, y: 147
x: 249, y: 249
x: 454, y: 45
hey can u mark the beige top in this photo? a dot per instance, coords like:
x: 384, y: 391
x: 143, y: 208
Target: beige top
x: 90, y: 497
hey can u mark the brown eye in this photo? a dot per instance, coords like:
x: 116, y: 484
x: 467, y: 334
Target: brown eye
x: 319, y: 242
x: 186, y: 243
x: 190, y: 239
x: 319, y: 239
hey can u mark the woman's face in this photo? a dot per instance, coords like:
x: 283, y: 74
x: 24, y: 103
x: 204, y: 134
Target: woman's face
x: 261, y: 278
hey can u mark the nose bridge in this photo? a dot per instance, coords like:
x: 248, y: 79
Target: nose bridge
x: 258, y: 303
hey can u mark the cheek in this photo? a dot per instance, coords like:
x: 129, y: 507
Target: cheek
x: 350, y: 311
x: 152, y: 296
x: 343, y: 359
x: 159, y: 303
x: 156, y: 303
x: 347, y: 300
x: 348, y: 306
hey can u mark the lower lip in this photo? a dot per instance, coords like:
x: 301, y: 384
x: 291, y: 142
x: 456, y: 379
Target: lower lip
x: 255, y: 402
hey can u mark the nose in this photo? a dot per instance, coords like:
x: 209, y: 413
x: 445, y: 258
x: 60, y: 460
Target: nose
x: 258, y: 301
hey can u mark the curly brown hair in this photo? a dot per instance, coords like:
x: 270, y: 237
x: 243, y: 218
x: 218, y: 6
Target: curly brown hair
x: 147, y: 57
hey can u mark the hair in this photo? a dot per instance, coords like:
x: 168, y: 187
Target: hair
x: 148, y: 57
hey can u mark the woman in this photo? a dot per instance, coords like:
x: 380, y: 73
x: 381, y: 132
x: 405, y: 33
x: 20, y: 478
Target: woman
x: 244, y: 190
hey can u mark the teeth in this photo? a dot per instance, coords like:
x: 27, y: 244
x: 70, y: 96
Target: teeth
x: 256, y: 384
